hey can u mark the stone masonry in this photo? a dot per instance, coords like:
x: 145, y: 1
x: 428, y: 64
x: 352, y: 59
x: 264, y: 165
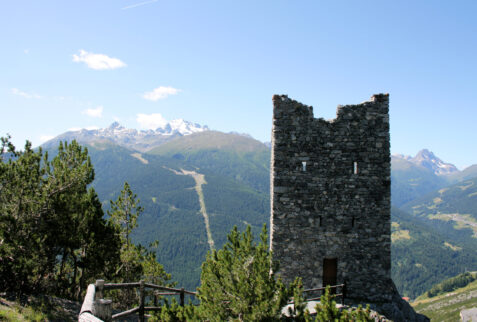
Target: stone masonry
x: 331, y: 198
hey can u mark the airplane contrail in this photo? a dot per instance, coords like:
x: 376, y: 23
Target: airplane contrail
x: 138, y: 4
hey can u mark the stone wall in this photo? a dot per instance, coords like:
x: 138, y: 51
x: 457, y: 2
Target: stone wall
x: 330, y: 195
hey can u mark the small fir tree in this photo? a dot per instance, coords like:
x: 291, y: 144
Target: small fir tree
x: 136, y: 262
x: 238, y: 281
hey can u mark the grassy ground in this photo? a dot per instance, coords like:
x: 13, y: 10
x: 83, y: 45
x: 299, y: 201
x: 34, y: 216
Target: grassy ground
x: 447, y: 307
x: 36, y: 309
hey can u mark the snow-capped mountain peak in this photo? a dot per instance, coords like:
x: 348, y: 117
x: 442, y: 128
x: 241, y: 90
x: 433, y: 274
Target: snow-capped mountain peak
x: 429, y: 160
x: 141, y: 140
x: 180, y: 126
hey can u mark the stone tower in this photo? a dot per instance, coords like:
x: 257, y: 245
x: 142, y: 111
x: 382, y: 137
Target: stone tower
x: 331, y: 197
x: 330, y: 217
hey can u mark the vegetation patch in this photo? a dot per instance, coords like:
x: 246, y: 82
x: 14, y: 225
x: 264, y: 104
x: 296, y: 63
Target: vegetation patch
x: 42, y: 308
x: 443, y: 190
x: 462, y: 221
x: 454, y: 248
x: 448, y: 298
x: 466, y: 185
x: 437, y: 200
x: 400, y: 235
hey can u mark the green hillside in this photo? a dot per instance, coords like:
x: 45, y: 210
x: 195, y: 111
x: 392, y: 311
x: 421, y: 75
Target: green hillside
x: 422, y: 256
x: 237, y: 157
x: 410, y: 181
x: 467, y: 173
x: 172, y: 210
x: 210, y: 140
x: 452, y: 210
x: 447, y: 306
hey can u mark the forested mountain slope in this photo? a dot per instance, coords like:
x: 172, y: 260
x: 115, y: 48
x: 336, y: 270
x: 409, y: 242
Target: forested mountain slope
x: 452, y: 210
x: 172, y: 210
x: 409, y: 181
x: 423, y: 256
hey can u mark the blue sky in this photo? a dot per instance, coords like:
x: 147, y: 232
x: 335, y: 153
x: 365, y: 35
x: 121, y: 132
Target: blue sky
x: 82, y: 64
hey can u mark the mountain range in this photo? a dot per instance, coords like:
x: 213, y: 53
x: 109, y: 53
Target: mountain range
x: 186, y: 175
x: 142, y: 140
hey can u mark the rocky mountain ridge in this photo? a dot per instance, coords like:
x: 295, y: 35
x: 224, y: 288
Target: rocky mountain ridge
x: 139, y: 140
x: 429, y: 160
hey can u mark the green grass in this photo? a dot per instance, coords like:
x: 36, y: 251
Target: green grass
x: 17, y: 312
x: 42, y: 308
x: 447, y: 307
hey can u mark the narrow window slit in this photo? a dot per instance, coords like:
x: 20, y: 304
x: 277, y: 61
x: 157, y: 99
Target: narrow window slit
x: 352, y: 222
x: 303, y: 164
x: 355, y: 167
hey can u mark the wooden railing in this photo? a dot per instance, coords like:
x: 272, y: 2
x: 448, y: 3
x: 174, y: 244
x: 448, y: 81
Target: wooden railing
x: 333, y: 288
x: 94, y: 306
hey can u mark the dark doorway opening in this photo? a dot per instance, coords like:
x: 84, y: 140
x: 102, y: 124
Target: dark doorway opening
x: 330, y: 272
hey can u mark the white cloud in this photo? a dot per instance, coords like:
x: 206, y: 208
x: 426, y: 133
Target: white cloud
x: 151, y: 121
x: 94, y: 112
x: 89, y: 128
x: 138, y: 4
x: 98, y: 61
x: 44, y: 138
x: 18, y: 92
x: 160, y: 92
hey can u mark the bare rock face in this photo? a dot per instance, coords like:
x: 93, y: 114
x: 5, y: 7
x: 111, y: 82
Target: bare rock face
x: 331, y: 200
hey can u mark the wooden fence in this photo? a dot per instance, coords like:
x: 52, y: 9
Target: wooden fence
x: 333, y: 288
x: 94, y: 306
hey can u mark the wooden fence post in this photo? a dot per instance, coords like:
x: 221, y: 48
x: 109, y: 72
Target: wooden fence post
x: 103, y: 309
x: 141, y: 300
x: 99, y: 289
x: 182, y: 297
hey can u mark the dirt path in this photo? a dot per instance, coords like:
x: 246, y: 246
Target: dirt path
x: 199, y: 181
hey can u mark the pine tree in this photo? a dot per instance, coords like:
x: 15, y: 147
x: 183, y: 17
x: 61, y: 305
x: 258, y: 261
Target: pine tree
x: 124, y: 213
x: 136, y: 262
x: 238, y: 283
x: 53, y: 237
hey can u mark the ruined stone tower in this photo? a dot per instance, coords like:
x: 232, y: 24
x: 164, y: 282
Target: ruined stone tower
x: 330, y: 196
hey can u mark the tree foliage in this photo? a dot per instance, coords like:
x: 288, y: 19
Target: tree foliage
x: 451, y: 284
x: 326, y: 310
x: 136, y: 261
x: 238, y: 281
x: 53, y: 237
